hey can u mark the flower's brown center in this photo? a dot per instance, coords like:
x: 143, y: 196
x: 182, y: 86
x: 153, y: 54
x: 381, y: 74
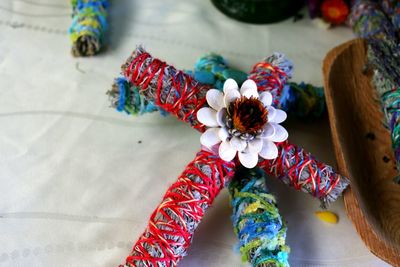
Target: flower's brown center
x: 248, y: 115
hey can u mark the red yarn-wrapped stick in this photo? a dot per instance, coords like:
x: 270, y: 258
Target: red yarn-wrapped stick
x: 172, y: 90
x: 172, y: 224
x: 181, y: 96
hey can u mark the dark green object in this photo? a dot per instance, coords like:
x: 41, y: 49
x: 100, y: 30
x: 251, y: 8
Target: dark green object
x: 259, y: 11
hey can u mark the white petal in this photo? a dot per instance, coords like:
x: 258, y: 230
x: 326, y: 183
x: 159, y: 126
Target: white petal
x: 255, y: 145
x: 210, y: 137
x: 266, y: 98
x: 215, y: 99
x: 248, y: 159
x: 230, y: 96
x: 280, y: 116
x: 226, y: 152
x: 269, y: 150
x: 248, y: 85
x: 221, y: 117
x: 249, y: 89
x: 223, y: 134
x: 208, y: 117
x: 238, y: 144
x: 229, y: 85
x: 280, y: 133
x: 271, y: 113
x: 269, y: 131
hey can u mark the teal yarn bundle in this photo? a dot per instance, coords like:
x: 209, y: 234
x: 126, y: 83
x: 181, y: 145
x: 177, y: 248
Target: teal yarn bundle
x: 256, y: 220
x: 89, y: 22
x: 303, y: 100
x: 213, y: 69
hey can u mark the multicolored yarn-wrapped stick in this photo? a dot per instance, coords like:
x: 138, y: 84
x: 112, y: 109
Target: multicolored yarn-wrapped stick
x: 367, y: 20
x: 89, y: 22
x: 181, y: 96
x: 392, y: 10
x: 384, y: 57
x: 172, y: 224
x: 256, y: 220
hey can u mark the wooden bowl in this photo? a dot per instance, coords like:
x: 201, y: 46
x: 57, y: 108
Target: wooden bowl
x: 363, y: 150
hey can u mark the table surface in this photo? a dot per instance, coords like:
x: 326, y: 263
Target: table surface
x: 79, y: 180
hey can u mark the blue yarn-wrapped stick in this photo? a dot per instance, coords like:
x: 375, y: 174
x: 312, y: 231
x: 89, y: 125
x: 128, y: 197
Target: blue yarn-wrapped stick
x: 89, y: 22
x: 256, y: 220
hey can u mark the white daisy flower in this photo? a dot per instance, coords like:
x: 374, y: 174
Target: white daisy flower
x: 242, y: 122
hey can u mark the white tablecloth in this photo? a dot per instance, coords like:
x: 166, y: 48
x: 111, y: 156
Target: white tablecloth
x: 79, y: 180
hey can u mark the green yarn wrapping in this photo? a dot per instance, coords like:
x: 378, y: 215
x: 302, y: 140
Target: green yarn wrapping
x: 256, y: 220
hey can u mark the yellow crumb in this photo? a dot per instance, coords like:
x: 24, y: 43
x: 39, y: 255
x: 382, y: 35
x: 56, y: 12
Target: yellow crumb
x: 327, y: 216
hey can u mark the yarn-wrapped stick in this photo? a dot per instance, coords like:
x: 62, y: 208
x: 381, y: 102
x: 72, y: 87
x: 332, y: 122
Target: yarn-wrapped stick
x: 172, y: 224
x: 89, y: 22
x: 181, y: 96
x: 384, y: 58
x: 299, y: 169
x: 272, y: 74
x: 368, y: 20
x: 173, y: 90
x: 256, y: 220
x: 392, y: 10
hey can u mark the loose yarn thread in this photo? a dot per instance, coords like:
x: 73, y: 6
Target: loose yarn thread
x: 171, y: 226
x: 89, y: 22
x: 181, y: 96
x: 256, y: 220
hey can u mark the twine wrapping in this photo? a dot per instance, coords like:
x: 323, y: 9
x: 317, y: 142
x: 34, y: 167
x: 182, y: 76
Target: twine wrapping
x: 172, y: 224
x: 181, y: 96
x: 256, y: 220
x: 89, y: 22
